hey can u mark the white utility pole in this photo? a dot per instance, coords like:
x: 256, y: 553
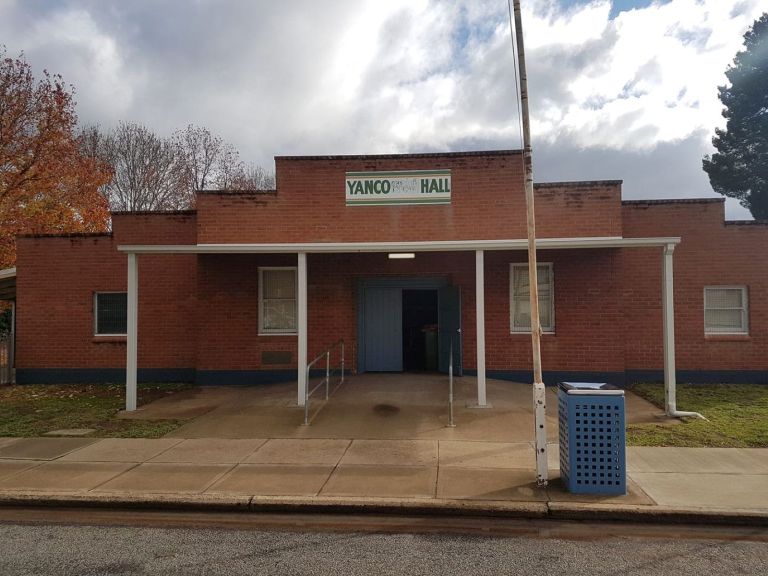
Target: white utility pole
x: 539, y: 393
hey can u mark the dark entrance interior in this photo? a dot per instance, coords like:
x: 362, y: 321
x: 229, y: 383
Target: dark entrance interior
x: 396, y: 320
x: 420, y: 330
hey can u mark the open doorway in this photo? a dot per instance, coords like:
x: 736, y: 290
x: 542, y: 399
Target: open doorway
x: 420, y: 330
x: 402, y: 320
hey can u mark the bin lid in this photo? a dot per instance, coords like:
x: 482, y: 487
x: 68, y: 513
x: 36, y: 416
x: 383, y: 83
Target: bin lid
x: 584, y: 388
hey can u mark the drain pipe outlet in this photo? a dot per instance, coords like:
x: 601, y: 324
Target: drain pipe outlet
x: 673, y: 412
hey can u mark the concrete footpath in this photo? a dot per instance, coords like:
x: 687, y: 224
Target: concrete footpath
x: 399, y: 476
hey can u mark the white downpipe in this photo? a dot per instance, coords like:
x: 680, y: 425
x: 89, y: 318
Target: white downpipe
x: 482, y: 400
x: 301, y: 320
x: 668, y: 311
x: 132, y: 339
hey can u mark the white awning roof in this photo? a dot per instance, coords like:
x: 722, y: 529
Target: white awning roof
x: 436, y: 246
x: 8, y: 284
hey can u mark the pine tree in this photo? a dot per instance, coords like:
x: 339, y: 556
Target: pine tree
x: 739, y: 168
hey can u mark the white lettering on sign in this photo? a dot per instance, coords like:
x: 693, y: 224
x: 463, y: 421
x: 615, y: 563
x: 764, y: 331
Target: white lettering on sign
x: 407, y: 187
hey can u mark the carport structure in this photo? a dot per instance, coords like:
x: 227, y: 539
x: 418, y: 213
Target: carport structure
x: 7, y: 342
x: 478, y: 247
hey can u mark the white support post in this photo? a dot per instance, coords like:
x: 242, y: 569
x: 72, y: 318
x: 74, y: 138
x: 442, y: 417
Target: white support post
x: 668, y: 311
x: 480, y: 320
x: 301, y: 319
x: 12, y: 349
x: 131, y: 360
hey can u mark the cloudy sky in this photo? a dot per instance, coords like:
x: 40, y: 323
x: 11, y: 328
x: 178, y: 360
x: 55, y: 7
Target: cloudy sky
x: 619, y: 90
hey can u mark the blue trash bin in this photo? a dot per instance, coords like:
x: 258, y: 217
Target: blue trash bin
x: 592, y: 438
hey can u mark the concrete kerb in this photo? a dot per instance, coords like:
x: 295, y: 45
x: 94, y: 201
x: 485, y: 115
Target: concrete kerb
x: 655, y: 514
x: 127, y: 501
x: 387, y: 506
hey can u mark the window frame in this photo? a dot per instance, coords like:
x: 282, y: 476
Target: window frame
x: 744, y: 310
x: 277, y: 331
x: 527, y: 330
x: 96, y: 332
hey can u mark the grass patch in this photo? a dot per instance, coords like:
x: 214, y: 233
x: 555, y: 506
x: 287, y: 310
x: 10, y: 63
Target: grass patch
x: 737, y: 417
x: 33, y: 410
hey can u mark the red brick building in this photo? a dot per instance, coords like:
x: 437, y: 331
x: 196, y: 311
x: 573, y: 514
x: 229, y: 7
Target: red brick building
x: 388, y: 252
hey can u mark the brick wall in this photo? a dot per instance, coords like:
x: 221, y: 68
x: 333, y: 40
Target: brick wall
x: 487, y: 203
x: 588, y: 333
x: 201, y: 312
x: 57, y: 279
x: 577, y: 209
x: 228, y: 293
x: 712, y: 252
x: 155, y: 228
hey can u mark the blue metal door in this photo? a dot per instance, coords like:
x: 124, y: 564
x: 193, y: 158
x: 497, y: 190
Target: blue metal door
x: 383, y: 329
x: 449, y: 306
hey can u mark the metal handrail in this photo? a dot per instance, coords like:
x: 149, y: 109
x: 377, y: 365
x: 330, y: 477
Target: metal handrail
x: 325, y: 381
x: 451, y: 424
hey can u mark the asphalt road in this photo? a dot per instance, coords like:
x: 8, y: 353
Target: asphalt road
x: 151, y: 547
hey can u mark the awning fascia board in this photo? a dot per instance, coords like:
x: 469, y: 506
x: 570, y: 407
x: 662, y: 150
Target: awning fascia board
x: 436, y: 246
x: 7, y: 273
x: 8, y: 284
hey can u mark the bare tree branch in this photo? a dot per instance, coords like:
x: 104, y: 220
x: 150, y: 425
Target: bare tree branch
x: 154, y: 173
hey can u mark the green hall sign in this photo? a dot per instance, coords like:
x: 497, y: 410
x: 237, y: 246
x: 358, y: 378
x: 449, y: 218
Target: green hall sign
x: 407, y: 187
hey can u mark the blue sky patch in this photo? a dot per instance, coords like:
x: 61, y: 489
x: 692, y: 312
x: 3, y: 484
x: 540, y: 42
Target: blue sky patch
x: 617, y: 5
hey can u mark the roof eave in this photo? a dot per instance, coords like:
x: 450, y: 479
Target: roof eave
x: 438, y: 246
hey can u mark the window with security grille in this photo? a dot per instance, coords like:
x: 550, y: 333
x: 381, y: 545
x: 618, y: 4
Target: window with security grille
x: 726, y: 310
x: 520, y: 294
x: 111, y: 313
x: 277, y: 300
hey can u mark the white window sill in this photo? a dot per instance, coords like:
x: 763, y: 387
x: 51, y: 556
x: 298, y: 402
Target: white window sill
x: 521, y: 333
x: 278, y: 333
x: 726, y: 337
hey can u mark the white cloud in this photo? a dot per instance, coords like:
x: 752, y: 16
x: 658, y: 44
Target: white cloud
x: 652, y: 73
x: 546, y: 23
x: 365, y: 76
x: 69, y: 40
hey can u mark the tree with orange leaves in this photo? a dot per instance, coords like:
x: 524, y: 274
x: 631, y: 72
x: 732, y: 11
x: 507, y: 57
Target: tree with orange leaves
x: 47, y: 184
